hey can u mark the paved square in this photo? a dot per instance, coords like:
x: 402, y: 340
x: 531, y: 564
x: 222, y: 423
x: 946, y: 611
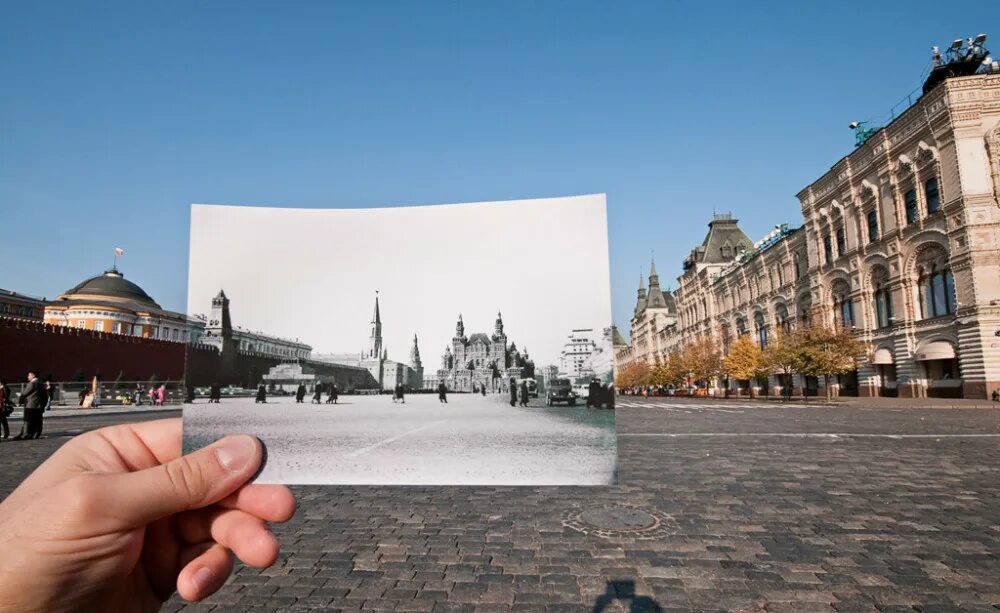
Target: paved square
x: 722, y: 507
x: 470, y: 440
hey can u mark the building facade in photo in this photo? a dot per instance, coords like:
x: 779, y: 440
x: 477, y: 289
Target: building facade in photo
x: 480, y: 360
x: 586, y: 355
x: 217, y: 330
x: 900, y: 242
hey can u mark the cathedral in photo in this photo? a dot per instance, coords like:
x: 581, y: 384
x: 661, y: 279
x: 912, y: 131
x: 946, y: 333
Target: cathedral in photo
x: 472, y: 363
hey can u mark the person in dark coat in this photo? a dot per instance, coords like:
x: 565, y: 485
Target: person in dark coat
x: 318, y: 394
x: 4, y: 404
x: 300, y: 393
x: 398, y: 393
x: 442, y: 393
x: 524, y: 393
x: 261, y: 394
x: 482, y: 389
x: 513, y: 393
x: 34, y: 399
x: 334, y: 392
x: 594, y: 394
x: 215, y: 393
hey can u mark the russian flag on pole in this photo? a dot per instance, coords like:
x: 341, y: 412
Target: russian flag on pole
x: 119, y: 251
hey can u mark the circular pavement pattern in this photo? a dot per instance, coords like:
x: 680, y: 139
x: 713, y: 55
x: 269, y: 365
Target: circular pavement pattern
x: 620, y: 521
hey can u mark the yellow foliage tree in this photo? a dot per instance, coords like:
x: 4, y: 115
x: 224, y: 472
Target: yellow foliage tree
x: 745, y: 361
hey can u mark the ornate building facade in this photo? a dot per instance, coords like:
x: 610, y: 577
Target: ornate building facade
x: 900, y: 242
x: 480, y: 360
x: 654, y: 312
x: 111, y: 303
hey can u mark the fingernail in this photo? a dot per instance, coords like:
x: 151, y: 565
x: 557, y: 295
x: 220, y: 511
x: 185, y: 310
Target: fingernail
x: 235, y: 452
x: 202, y: 579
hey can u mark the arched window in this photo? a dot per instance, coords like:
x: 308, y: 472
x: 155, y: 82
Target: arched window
x: 843, y: 305
x: 741, y: 327
x: 761, y: 326
x: 937, y: 291
x: 804, y: 310
x: 932, y: 196
x: 882, y: 298
x: 781, y: 318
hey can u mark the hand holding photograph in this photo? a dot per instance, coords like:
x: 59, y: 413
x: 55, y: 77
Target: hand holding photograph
x: 391, y: 346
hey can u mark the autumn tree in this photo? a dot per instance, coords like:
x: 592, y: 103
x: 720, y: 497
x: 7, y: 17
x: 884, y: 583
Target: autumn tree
x: 825, y: 352
x: 745, y: 361
x: 702, y: 360
x: 674, y: 369
x: 782, y: 356
x: 632, y: 375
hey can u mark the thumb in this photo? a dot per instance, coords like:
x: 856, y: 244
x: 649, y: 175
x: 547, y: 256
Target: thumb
x: 192, y: 481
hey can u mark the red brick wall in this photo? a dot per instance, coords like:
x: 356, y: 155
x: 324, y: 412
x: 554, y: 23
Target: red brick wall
x: 61, y: 351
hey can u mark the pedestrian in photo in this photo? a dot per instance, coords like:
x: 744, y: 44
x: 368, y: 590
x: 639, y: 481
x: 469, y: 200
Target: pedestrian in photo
x: 524, y: 393
x: 442, y: 393
x: 482, y: 390
x: 593, y: 393
x: 334, y: 392
x: 513, y: 392
x: 300, y: 394
x: 95, y: 389
x: 318, y: 394
x: 161, y: 394
x: 137, y: 396
x: 261, y: 395
x: 215, y: 393
x: 399, y: 393
x: 152, y: 396
x: 6, y: 408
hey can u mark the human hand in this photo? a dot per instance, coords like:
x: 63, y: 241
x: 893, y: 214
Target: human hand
x: 117, y: 519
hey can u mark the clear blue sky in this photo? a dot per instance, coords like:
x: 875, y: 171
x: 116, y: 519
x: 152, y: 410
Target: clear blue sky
x: 115, y: 116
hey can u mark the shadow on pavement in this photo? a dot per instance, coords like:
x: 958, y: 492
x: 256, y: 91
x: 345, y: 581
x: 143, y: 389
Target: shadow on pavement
x: 624, y: 592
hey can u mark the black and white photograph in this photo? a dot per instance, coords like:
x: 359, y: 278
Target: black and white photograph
x: 453, y: 344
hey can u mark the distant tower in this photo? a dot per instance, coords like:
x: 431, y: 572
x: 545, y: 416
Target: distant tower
x: 655, y: 299
x: 640, y: 303
x: 219, y: 327
x: 375, y: 350
x: 460, y: 328
x: 416, y: 365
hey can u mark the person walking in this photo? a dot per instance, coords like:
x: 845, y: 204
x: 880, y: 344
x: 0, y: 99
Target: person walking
x: 513, y: 392
x: 50, y: 392
x: 215, y: 393
x: 399, y: 393
x: 318, y: 394
x: 524, y: 393
x: 152, y: 395
x: 261, y: 395
x: 442, y: 393
x: 161, y: 394
x: 333, y: 394
x: 482, y: 390
x: 300, y: 393
x: 33, y: 398
x: 6, y: 408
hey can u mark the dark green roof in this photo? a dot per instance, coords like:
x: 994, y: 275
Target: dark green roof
x: 111, y: 284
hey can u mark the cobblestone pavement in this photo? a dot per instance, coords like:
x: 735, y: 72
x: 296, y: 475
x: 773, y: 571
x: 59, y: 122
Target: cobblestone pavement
x: 773, y: 508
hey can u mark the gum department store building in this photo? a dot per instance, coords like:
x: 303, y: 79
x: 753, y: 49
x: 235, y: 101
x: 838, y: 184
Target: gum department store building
x: 900, y: 241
